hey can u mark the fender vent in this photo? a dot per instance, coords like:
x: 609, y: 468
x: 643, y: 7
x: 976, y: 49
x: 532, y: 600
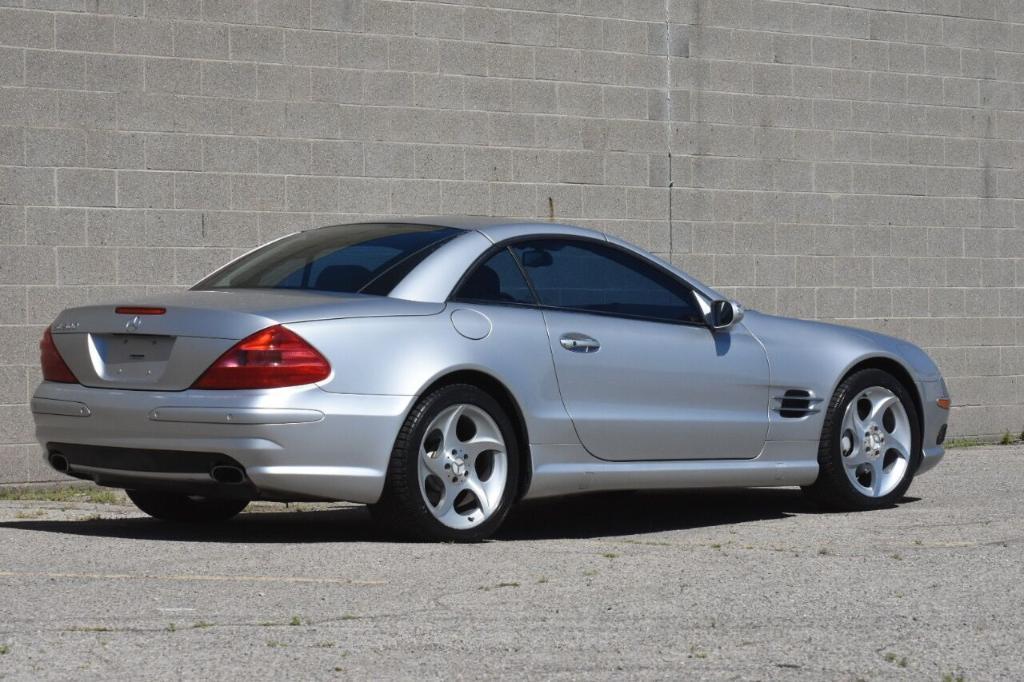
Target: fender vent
x: 796, y: 403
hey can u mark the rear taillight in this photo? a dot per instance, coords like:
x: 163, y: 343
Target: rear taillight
x: 54, y: 367
x: 271, y: 358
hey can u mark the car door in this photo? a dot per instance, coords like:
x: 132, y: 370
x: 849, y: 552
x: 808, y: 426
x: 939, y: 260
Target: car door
x: 641, y: 375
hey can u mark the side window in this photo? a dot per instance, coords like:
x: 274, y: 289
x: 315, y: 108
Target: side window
x: 496, y: 280
x: 585, y: 276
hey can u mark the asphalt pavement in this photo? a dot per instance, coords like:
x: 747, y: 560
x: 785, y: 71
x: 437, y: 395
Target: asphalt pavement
x: 708, y: 585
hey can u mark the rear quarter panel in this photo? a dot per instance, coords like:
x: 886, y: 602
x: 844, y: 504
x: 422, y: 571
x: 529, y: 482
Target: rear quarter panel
x: 405, y: 355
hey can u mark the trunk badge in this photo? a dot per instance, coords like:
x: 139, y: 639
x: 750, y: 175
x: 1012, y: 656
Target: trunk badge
x: 133, y: 324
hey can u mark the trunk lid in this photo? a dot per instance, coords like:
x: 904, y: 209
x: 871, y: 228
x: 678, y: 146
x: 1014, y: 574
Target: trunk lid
x: 169, y: 351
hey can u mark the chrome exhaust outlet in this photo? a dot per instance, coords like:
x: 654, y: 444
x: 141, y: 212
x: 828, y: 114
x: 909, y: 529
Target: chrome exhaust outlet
x: 227, y: 474
x: 59, y: 462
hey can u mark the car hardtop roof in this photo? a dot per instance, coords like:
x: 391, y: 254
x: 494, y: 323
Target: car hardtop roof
x: 492, y: 227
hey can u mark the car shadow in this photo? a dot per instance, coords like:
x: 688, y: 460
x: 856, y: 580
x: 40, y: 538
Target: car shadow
x: 594, y: 515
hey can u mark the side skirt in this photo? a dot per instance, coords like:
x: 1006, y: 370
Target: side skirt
x: 567, y: 469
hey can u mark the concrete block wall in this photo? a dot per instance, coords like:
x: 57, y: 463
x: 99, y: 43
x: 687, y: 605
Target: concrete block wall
x: 859, y: 160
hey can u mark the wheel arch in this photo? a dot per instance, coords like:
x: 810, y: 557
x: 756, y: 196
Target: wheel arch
x: 500, y: 392
x: 896, y: 369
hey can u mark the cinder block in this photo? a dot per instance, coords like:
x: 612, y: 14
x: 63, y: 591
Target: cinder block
x: 175, y: 9
x: 12, y: 66
x: 443, y: 91
x: 85, y: 265
x: 110, y: 149
x: 181, y: 76
x: 56, y: 226
x: 535, y: 28
x: 53, y: 146
x: 413, y: 54
x: 21, y: 265
x: 115, y: 227
x: 604, y: 202
x: 87, y: 109
x: 84, y: 32
x: 441, y: 162
x: 580, y: 99
x: 256, y: 43
x: 487, y: 25
x: 220, y: 229
x: 283, y: 13
x: 512, y: 199
x: 337, y: 158
x: 192, y: 265
x: 363, y: 195
x: 488, y: 94
x: 284, y: 156
x: 390, y: 89
x: 337, y: 85
x: 232, y: 11
x: 145, y: 266
x: 258, y: 192
x: 174, y: 152
x: 465, y: 198
x: 311, y: 48
x: 310, y: 193
x: 199, y: 40
x: 26, y: 186
x: 202, y: 190
x: 114, y: 73
x: 13, y: 384
x: 144, y: 189
x: 26, y: 28
x: 943, y: 61
x: 337, y: 15
x: 388, y: 17
x: 135, y: 35
x: 363, y: 52
x: 229, y: 79
x: 631, y: 170
x: 289, y: 83
x: 389, y: 160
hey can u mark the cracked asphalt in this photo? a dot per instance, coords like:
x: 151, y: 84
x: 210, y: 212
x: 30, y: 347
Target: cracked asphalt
x: 718, y: 585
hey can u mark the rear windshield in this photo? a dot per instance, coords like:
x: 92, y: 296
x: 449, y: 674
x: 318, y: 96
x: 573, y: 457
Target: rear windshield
x: 344, y: 258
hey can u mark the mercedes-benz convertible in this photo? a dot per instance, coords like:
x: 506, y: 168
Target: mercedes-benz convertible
x: 441, y: 370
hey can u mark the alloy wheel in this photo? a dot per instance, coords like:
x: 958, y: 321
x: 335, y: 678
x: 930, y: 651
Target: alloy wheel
x: 875, y: 442
x: 462, y: 466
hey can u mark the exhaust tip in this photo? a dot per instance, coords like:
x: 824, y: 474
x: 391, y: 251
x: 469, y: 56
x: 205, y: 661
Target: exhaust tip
x: 59, y: 462
x: 229, y: 475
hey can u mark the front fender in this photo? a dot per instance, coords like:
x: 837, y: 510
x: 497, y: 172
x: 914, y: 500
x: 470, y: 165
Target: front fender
x: 815, y: 356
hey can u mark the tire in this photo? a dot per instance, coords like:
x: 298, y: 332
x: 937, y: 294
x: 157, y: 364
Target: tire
x: 184, y: 509
x: 874, y: 470
x: 417, y: 503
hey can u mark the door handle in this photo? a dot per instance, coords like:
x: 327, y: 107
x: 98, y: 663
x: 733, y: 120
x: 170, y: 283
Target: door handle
x: 579, y: 343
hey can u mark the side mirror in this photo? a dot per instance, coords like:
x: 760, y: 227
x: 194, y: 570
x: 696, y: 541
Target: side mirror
x: 724, y: 314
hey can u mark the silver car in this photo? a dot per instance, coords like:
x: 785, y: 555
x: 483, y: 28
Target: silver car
x: 440, y: 370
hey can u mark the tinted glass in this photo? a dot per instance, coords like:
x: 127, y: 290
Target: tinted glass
x: 496, y: 280
x: 344, y: 258
x: 581, y: 275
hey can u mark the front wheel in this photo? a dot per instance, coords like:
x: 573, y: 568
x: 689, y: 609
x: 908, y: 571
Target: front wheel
x: 183, y: 508
x: 870, y: 443
x: 453, y: 469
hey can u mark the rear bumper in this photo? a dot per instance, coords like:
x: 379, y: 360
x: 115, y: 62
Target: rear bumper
x: 302, y: 443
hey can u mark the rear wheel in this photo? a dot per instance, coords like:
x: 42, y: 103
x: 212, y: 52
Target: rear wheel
x: 453, y: 469
x: 183, y: 508
x: 870, y: 443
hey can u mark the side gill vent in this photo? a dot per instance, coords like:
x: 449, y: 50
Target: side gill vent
x: 796, y: 403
